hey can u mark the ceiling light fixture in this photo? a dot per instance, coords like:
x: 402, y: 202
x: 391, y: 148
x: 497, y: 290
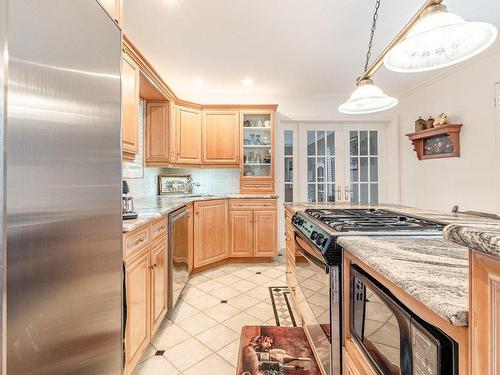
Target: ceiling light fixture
x: 368, y: 98
x: 437, y: 40
x: 248, y: 82
x: 198, y: 82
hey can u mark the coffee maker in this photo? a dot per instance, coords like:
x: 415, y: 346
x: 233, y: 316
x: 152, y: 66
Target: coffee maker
x: 128, y: 211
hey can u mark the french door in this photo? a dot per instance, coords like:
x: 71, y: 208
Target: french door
x: 341, y: 162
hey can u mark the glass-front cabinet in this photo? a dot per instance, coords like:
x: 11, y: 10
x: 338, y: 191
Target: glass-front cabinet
x: 257, y: 169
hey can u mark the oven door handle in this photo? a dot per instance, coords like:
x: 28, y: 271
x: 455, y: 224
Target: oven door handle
x: 313, y: 260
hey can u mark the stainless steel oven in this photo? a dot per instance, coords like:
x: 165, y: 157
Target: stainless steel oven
x: 396, y: 340
x: 178, y: 257
x: 317, y: 297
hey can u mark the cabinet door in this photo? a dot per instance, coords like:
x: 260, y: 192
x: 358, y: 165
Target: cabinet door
x: 485, y: 314
x: 221, y: 137
x: 188, y: 136
x: 241, y: 233
x: 130, y: 105
x: 157, y: 133
x: 210, y: 232
x: 137, y: 331
x: 265, y: 233
x: 158, y: 282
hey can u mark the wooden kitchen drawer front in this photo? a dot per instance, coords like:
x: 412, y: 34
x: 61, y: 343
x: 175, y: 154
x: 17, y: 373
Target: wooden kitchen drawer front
x: 158, y: 229
x: 136, y: 240
x: 258, y: 187
x: 252, y: 204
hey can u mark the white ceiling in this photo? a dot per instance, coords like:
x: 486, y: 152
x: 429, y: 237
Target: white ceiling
x: 288, y: 47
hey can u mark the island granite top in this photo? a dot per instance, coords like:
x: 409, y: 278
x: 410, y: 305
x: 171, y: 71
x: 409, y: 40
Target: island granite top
x: 483, y: 238
x: 433, y: 271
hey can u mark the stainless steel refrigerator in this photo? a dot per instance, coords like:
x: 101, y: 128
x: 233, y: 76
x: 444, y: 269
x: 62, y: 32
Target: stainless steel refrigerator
x: 61, y: 188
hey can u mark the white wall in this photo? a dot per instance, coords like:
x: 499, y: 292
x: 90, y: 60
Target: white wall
x: 467, y: 94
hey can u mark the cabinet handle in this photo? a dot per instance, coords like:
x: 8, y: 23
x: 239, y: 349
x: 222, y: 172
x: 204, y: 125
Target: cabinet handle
x: 151, y: 267
x: 339, y: 193
x: 162, y: 227
x: 138, y: 241
x: 347, y: 193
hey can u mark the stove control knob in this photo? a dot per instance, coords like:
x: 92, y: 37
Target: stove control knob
x: 300, y: 221
x: 320, y: 240
x: 314, y: 235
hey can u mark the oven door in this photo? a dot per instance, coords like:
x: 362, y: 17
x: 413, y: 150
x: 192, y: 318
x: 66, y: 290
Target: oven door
x: 313, y: 300
x: 380, y: 326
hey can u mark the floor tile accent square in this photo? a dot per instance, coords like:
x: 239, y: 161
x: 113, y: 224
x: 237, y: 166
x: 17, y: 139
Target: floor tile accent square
x: 187, y: 354
x: 211, y: 365
x: 217, y: 337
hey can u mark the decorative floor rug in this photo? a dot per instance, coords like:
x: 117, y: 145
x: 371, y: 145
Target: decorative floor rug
x: 280, y: 297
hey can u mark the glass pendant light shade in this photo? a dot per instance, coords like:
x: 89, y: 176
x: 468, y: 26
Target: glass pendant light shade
x: 367, y: 98
x: 437, y: 40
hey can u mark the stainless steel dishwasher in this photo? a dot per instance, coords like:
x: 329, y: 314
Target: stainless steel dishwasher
x: 178, y: 274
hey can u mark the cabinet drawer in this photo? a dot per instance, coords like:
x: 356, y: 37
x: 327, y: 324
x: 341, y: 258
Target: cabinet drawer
x: 257, y: 187
x: 136, y: 240
x: 252, y: 204
x: 159, y: 228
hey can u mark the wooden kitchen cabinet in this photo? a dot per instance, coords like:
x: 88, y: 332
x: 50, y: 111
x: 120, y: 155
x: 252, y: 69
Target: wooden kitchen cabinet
x: 130, y: 107
x: 157, y: 140
x: 159, y: 282
x: 484, y: 320
x: 241, y: 230
x: 210, y: 232
x: 137, y: 283
x: 253, y: 230
x: 265, y: 233
x: 188, y: 136
x: 221, y: 137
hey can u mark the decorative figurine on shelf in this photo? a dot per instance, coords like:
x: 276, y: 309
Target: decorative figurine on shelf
x: 267, y: 158
x: 429, y: 123
x: 441, y: 120
x: 420, y: 124
x: 247, y: 124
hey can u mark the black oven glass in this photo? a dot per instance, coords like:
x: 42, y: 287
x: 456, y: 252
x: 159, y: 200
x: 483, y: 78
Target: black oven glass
x: 377, y: 328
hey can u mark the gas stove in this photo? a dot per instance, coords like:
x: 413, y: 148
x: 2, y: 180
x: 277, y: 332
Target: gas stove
x: 322, y: 226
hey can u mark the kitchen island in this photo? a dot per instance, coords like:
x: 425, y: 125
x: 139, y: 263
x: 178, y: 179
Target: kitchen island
x: 430, y: 275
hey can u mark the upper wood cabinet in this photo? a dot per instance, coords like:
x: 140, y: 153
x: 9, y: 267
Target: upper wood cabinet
x: 210, y: 232
x: 157, y: 142
x: 113, y: 7
x: 188, y: 136
x: 484, y: 319
x: 221, y: 137
x: 130, y: 107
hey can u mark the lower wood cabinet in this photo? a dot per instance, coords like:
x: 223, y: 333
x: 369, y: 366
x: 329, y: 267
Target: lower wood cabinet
x: 137, y: 283
x: 146, y: 287
x: 159, y: 282
x: 484, y: 319
x: 252, y: 231
x: 210, y: 232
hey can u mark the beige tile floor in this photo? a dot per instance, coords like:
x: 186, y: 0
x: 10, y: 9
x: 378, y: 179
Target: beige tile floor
x: 201, y: 336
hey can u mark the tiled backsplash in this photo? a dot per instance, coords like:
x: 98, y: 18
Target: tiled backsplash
x: 212, y: 181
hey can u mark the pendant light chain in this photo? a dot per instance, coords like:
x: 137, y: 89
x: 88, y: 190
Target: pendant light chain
x: 372, y: 34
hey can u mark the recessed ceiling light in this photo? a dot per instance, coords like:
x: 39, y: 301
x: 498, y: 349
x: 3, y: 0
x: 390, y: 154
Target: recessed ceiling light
x: 198, y: 82
x: 248, y: 82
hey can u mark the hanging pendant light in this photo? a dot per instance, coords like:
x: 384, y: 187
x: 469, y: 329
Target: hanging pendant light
x: 367, y: 98
x: 437, y: 40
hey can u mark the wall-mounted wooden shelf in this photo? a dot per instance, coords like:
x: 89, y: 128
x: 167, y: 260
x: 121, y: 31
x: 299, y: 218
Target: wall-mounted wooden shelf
x: 439, y: 142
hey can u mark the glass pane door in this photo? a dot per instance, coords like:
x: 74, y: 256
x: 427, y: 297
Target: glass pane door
x: 363, y: 166
x: 257, y: 140
x: 320, y: 166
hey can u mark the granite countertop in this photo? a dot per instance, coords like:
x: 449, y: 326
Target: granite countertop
x: 430, y: 269
x: 152, y: 208
x: 483, y: 238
